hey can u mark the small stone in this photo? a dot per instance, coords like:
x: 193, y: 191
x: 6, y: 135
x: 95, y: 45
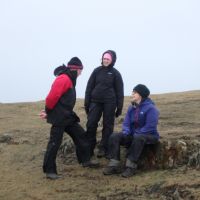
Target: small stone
x: 5, y: 138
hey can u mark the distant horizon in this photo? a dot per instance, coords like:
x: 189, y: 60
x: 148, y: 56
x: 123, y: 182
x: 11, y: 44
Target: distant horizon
x: 82, y: 98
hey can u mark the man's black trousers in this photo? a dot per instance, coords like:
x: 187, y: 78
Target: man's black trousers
x: 77, y: 134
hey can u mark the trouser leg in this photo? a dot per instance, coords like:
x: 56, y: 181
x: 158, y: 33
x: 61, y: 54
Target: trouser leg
x: 137, y: 145
x: 94, y: 115
x: 108, y: 125
x: 82, y: 145
x: 55, y: 140
x: 115, y: 140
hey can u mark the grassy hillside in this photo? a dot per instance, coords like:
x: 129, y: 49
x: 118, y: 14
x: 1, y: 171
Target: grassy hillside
x: 23, y: 140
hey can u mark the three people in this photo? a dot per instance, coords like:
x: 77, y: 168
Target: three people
x: 104, y: 96
x: 59, y: 112
x: 139, y: 128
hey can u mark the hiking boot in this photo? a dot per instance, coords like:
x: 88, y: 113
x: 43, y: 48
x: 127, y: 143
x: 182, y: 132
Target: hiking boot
x: 53, y: 176
x: 111, y: 170
x: 128, y: 172
x: 91, y: 164
x: 101, y: 153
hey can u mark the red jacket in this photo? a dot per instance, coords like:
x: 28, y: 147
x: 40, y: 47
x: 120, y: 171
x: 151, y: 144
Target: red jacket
x: 61, y: 99
x: 61, y: 85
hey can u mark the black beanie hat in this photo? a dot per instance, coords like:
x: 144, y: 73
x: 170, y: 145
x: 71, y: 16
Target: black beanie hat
x: 113, y: 55
x: 142, y: 90
x: 75, y: 63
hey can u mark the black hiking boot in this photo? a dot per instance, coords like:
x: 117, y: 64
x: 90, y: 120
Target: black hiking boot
x: 128, y: 172
x: 91, y: 164
x: 111, y: 170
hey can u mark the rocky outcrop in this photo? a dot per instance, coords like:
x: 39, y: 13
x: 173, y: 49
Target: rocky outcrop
x: 170, y: 154
x: 164, y: 155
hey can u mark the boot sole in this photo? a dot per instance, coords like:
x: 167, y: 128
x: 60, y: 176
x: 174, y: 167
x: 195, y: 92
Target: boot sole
x: 112, y: 173
x: 54, y: 178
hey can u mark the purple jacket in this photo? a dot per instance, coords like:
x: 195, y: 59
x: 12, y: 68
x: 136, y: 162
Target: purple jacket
x: 142, y: 119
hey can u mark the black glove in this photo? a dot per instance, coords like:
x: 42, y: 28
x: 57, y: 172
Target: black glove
x: 87, y: 105
x: 87, y: 109
x: 118, y: 113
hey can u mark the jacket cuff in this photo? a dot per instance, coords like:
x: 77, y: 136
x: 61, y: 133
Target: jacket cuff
x: 47, y: 110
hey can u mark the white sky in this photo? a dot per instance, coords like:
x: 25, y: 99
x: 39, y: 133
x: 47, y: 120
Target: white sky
x: 157, y: 43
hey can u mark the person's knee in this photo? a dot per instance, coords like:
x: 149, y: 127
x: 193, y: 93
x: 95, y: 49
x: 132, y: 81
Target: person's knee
x: 139, y: 138
x: 114, y: 137
x: 91, y: 128
x: 108, y: 124
x: 92, y: 122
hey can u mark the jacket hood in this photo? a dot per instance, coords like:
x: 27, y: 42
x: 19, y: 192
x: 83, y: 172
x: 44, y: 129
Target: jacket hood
x: 60, y: 70
x: 113, y: 55
x: 144, y: 101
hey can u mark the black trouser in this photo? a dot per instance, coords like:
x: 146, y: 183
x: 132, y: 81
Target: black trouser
x: 94, y: 115
x: 135, y: 145
x: 78, y: 136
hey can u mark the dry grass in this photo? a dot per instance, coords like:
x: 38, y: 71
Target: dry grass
x: 21, y: 160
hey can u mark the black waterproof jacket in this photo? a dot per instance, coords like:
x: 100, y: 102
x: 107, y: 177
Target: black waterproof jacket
x: 62, y: 114
x: 105, y: 85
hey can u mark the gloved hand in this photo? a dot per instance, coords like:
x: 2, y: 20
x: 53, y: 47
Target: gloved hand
x: 87, y: 105
x: 118, y: 112
x: 87, y: 109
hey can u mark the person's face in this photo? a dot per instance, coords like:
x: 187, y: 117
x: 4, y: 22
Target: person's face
x: 136, y: 98
x: 79, y: 71
x: 106, y: 62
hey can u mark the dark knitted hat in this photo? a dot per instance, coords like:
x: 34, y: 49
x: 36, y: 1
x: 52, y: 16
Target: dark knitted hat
x: 142, y: 90
x: 75, y: 63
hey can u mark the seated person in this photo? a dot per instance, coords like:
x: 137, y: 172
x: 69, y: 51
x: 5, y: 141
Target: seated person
x: 139, y: 128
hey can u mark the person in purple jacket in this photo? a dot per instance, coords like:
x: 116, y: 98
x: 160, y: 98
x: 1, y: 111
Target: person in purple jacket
x: 139, y: 128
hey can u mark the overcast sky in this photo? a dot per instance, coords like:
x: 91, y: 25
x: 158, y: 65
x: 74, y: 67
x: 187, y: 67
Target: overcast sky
x: 157, y: 43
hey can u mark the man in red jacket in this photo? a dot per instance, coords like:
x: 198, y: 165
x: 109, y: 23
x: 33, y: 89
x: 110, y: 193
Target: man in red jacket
x: 59, y: 112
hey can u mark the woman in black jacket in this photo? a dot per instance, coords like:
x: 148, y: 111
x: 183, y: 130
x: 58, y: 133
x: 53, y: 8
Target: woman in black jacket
x: 104, y: 95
